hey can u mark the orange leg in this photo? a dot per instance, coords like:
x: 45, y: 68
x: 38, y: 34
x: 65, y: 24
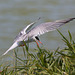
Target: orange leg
x: 21, y: 45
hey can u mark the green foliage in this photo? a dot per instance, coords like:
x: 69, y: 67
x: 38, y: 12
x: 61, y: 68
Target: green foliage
x: 44, y: 62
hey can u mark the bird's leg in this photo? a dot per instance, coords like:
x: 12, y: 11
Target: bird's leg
x: 21, y: 45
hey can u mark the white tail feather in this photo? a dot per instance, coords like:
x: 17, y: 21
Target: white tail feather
x: 12, y: 47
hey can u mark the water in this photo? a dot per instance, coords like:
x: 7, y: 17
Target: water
x: 16, y: 14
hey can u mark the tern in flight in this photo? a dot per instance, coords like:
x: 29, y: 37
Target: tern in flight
x: 30, y: 34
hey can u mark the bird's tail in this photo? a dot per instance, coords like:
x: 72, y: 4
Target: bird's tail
x: 12, y: 47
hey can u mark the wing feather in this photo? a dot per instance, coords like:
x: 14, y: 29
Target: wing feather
x: 48, y: 26
x: 26, y: 29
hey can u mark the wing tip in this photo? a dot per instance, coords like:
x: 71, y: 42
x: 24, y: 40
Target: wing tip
x: 5, y: 52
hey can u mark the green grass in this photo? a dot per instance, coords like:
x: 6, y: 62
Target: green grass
x: 43, y: 62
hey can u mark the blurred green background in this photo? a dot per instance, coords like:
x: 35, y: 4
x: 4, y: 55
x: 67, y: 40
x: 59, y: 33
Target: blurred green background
x: 16, y: 14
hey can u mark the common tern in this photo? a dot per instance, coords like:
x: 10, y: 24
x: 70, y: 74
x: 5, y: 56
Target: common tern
x: 29, y: 34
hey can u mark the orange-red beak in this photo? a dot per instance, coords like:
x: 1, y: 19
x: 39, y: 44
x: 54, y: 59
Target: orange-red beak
x: 38, y: 43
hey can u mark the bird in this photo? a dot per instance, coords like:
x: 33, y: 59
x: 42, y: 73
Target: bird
x: 30, y: 33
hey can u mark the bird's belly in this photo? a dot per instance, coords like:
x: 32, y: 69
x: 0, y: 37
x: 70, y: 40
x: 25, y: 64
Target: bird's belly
x: 22, y: 43
x: 29, y: 40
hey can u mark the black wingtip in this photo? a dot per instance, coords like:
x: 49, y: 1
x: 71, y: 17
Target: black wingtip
x: 68, y: 20
x: 72, y: 18
x: 65, y: 20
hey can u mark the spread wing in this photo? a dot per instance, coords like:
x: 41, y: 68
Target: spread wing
x: 48, y: 26
x: 26, y: 29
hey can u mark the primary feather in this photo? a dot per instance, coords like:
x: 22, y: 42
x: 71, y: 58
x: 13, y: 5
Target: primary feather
x: 12, y: 47
x: 48, y: 26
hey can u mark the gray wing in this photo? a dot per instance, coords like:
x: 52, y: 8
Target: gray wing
x: 48, y: 26
x: 25, y: 30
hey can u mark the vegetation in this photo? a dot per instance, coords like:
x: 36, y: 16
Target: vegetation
x: 44, y: 62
